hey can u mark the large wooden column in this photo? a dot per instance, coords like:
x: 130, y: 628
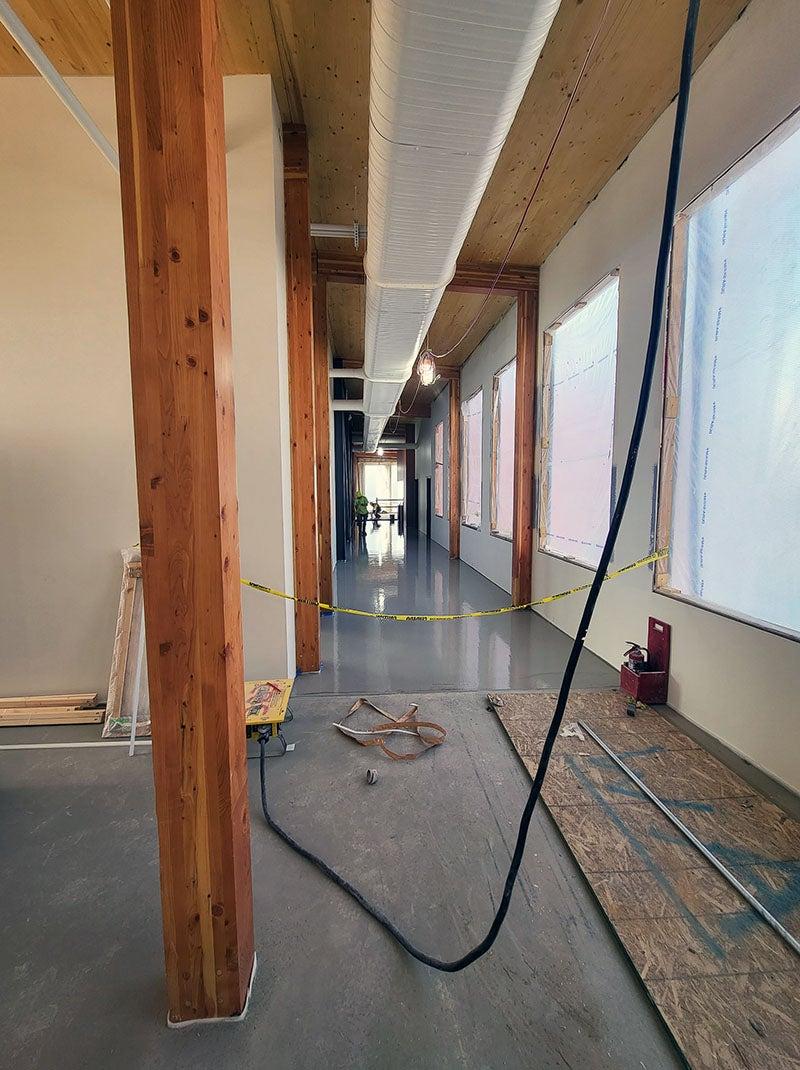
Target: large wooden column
x: 300, y: 316
x: 455, y: 467
x: 174, y: 210
x: 322, y: 427
x: 524, y: 417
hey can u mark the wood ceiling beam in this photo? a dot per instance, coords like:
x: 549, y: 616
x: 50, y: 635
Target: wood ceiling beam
x: 171, y: 129
x: 348, y: 268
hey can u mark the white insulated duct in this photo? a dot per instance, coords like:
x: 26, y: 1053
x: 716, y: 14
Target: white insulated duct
x: 446, y: 79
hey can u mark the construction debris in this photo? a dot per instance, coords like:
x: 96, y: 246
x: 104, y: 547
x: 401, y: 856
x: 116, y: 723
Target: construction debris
x: 128, y: 699
x: 415, y: 735
x: 572, y: 728
x: 50, y: 710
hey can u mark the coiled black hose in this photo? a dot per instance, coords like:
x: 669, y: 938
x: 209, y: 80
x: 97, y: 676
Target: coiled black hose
x: 659, y: 291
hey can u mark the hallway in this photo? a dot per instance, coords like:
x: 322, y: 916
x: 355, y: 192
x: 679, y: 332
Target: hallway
x: 391, y: 573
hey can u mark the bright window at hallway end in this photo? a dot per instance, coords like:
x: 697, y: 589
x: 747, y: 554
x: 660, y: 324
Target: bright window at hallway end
x: 579, y: 375
x: 729, y: 501
x: 471, y: 459
x: 504, y: 387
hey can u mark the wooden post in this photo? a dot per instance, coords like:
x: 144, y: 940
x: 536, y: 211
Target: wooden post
x: 455, y: 467
x: 174, y: 211
x: 524, y: 417
x: 300, y: 316
x: 322, y: 427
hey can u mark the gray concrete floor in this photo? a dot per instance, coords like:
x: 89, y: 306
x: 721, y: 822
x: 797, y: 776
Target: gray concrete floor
x: 81, y: 968
x: 515, y: 651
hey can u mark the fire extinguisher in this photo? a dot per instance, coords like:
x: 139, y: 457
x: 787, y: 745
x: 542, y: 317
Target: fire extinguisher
x: 636, y: 657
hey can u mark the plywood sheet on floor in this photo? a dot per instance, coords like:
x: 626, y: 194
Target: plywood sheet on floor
x: 726, y: 985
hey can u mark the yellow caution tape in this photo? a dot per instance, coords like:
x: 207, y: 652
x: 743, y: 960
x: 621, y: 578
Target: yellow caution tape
x: 656, y: 556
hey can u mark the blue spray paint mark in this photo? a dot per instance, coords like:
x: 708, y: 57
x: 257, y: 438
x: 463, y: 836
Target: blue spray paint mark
x: 675, y: 804
x: 780, y: 902
x: 700, y: 931
x: 621, y: 786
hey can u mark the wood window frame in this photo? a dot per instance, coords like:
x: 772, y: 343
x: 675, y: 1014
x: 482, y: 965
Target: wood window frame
x: 465, y: 462
x: 673, y: 355
x: 493, y: 529
x: 544, y: 423
x: 438, y: 507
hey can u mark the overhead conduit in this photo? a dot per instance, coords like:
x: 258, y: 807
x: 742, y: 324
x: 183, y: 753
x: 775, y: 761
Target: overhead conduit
x: 446, y: 79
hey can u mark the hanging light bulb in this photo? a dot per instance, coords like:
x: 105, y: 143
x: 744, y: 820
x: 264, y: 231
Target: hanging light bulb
x: 426, y: 368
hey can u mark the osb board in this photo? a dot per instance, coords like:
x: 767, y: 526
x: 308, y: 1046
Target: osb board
x: 726, y: 985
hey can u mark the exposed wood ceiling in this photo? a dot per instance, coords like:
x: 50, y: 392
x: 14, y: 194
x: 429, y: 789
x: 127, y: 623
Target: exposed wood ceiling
x: 318, y: 54
x: 630, y: 80
x: 76, y: 35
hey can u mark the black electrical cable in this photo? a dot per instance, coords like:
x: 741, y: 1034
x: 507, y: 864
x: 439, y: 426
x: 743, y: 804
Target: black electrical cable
x: 659, y: 290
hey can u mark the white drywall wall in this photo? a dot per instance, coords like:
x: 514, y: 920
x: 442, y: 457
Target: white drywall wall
x: 738, y: 683
x: 260, y: 369
x: 489, y: 554
x: 66, y: 435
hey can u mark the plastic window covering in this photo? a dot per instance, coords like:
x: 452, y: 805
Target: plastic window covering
x: 438, y: 469
x: 733, y: 456
x: 504, y: 389
x: 579, y: 417
x: 472, y: 448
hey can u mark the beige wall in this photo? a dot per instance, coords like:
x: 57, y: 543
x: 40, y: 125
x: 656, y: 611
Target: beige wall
x: 737, y: 682
x: 66, y: 439
x: 258, y: 294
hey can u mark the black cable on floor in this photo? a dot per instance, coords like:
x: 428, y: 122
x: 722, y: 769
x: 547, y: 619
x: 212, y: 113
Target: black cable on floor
x: 659, y: 291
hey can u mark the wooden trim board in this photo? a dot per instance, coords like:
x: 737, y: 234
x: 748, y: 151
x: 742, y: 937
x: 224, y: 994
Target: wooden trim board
x: 72, y: 702
x: 122, y: 636
x: 48, y: 715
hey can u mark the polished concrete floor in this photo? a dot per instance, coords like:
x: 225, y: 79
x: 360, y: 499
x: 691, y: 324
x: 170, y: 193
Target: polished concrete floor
x: 391, y: 574
x: 81, y: 967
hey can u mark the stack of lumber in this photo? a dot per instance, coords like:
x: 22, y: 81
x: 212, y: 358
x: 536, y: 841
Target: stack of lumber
x: 50, y: 709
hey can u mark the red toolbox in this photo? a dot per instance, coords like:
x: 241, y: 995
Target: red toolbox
x: 649, y: 683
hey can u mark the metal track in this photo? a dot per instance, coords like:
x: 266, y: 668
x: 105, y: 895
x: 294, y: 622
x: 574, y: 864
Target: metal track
x: 759, y: 908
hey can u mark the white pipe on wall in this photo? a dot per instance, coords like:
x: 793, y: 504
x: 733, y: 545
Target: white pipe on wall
x: 352, y: 230
x: 346, y: 373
